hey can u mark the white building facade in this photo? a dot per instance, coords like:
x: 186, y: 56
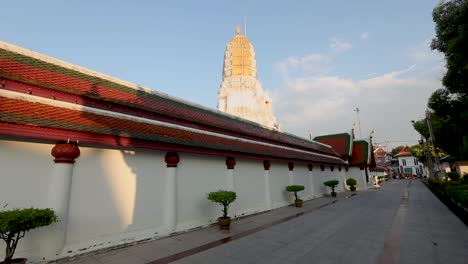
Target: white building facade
x: 408, y: 164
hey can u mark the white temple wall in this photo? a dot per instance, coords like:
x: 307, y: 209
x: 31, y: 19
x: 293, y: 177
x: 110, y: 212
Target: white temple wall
x: 321, y: 178
x: 315, y: 192
x: 360, y: 176
x: 24, y: 173
x: 118, y: 196
x: 279, y: 180
x: 301, y: 177
x: 249, y: 182
x: 197, y: 176
x: 342, y: 178
x: 24, y: 183
x: 327, y: 176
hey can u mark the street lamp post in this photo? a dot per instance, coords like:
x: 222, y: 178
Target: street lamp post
x: 359, y: 121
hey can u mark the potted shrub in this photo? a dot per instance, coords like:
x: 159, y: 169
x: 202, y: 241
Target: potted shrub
x: 224, y: 198
x: 332, y: 184
x: 352, y: 184
x: 296, y: 188
x: 15, y: 223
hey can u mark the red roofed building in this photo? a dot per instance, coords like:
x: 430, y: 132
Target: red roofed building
x: 408, y: 164
x: 357, y: 153
x: 341, y: 143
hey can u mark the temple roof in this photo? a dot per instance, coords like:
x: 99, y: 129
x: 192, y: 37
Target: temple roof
x: 404, y: 152
x: 24, y: 66
x: 341, y: 143
x: 43, y: 94
x: 380, y: 152
x: 360, y: 155
x: 25, y: 110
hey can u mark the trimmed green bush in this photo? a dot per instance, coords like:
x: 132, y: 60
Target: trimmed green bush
x: 15, y: 223
x: 453, y: 176
x: 458, y: 193
x: 224, y: 198
x: 351, y: 182
x: 332, y: 184
x: 455, y: 189
x: 295, y: 189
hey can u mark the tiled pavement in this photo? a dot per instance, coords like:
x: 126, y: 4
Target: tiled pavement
x: 171, y: 248
x: 402, y: 222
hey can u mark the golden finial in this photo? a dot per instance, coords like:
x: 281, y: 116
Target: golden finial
x: 238, y: 29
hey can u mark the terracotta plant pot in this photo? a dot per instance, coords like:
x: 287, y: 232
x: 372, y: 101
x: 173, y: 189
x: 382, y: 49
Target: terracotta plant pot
x: 224, y: 223
x: 333, y: 194
x: 352, y: 188
x: 298, y: 203
x: 17, y: 261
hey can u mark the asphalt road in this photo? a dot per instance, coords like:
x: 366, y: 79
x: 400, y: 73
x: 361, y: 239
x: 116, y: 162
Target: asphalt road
x: 402, y: 222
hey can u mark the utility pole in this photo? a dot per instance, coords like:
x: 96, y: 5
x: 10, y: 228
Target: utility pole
x: 429, y: 164
x: 359, y: 121
x: 432, y: 138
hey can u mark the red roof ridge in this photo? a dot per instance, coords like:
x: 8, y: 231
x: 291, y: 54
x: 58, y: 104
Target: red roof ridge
x: 195, y: 113
x: 405, y: 151
x: 293, y: 152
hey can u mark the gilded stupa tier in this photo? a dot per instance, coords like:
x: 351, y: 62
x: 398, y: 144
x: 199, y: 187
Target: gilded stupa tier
x: 240, y: 57
x: 241, y: 94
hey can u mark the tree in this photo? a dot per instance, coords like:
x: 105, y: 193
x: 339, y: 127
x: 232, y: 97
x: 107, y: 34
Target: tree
x: 451, y: 39
x: 396, y: 150
x: 449, y: 105
x: 419, y: 151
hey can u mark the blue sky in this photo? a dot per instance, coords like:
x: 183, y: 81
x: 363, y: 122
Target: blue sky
x: 319, y: 59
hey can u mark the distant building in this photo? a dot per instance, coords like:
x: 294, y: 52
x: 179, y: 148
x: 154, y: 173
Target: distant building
x: 357, y: 153
x: 451, y: 164
x: 408, y: 164
x: 381, y: 158
x: 241, y: 93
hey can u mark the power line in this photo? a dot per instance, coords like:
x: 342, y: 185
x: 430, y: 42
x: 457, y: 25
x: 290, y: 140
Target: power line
x: 396, y: 141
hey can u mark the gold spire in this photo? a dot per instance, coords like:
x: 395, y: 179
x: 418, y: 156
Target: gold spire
x: 242, y: 56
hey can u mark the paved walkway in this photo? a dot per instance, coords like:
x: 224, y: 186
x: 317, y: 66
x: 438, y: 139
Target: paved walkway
x: 402, y: 222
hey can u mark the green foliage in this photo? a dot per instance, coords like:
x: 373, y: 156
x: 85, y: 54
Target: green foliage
x: 15, y: 223
x: 351, y: 182
x: 453, y: 176
x: 332, y: 184
x: 295, y: 189
x: 457, y: 190
x: 421, y: 127
x: 452, y: 39
x: 419, y: 151
x: 450, y: 104
x: 224, y: 198
x: 396, y: 150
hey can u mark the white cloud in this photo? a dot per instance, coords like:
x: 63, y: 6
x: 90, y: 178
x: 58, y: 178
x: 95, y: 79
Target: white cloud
x: 338, y: 45
x: 422, y: 54
x: 312, y: 64
x: 364, y: 35
x: 324, y: 103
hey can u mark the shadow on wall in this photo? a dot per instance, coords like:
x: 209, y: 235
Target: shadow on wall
x: 123, y: 190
